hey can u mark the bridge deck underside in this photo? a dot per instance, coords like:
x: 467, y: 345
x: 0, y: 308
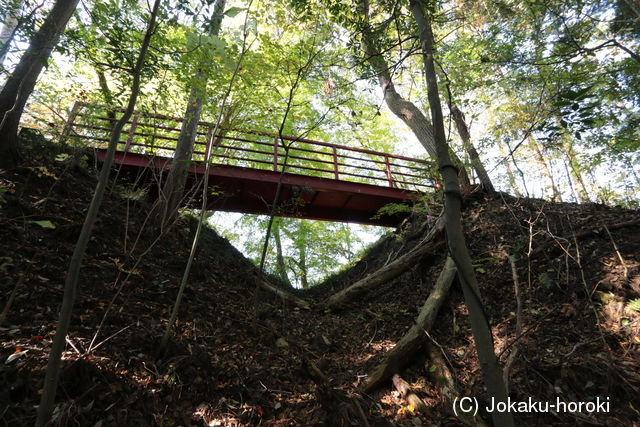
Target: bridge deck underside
x: 245, y: 190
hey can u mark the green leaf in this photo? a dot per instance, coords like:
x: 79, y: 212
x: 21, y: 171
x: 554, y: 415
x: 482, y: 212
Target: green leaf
x: 634, y: 305
x: 45, y: 223
x: 234, y: 11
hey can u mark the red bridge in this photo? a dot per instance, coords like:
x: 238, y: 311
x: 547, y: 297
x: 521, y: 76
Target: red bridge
x: 320, y: 180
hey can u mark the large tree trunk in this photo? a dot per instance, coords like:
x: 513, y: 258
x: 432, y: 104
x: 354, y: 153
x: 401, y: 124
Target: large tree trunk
x: 173, y: 189
x: 403, y: 109
x: 476, y: 162
x: 71, y: 283
x: 453, y: 223
x: 20, y: 84
x: 410, y: 343
x: 389, y: 271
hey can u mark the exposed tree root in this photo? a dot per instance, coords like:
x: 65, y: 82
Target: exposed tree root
x: 341, y: 409
x: 298, y: 302
x: 405, y: 390
x: 442, y: 377
x: 408, y: 345
x: 390, y: 270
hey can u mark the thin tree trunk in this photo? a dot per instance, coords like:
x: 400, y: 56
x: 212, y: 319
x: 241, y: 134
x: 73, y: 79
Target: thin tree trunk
x: 20, y: 84
x: 457, y: 244
x: 476, y: 162
x: 570, y: 182
x: 511, y: 177
x: 71, y: 283
x: 407, y: 111
x: 7, y: 33
x: 302, y: 251
x: 281, y: 266
x: 107, y: 95
x: 574, y: 167
x: 544, y: 169
x: 173, y: 189
x: 205, y: 191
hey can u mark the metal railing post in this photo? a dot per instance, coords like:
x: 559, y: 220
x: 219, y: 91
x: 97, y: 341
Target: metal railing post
x: 275, y: 154
x: 335, y: 163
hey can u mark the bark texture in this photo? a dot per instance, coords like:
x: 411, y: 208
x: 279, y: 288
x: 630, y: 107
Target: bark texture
x: 173, y: 188
x: 453, y: 223
x: 281, y: 266
x: 389, y: 271
x: 8, y: 30
x: 20, y: 84
x: 545, y: 169
x: 407, y: 393
x: 71, y: 282
x: 474, y: 156
x: 405, y: 110
x: 411, y: 342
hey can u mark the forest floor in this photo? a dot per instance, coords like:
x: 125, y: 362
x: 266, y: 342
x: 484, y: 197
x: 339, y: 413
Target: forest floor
x: 238, y: 353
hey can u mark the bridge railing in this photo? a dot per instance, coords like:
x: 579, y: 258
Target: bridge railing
x: 157, y: 135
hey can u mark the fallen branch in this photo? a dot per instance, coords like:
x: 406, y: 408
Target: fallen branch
x: 409, y: 344
x: 298, y: 302
x: 390, y: 271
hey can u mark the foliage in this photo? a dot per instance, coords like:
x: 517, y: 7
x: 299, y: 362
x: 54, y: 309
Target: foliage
x: 634, y: 305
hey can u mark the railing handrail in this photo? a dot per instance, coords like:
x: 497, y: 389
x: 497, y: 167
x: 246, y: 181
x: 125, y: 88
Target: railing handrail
x: 335, y: 153
x: 264, y: 133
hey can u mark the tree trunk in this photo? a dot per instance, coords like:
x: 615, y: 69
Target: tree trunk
x: 7, y: 33
x: 544, y: 169
x: 511, y: 177
x: 71, y: 283
x: 389, y: 271
x: 302, y: 262
x: 411, y: 342
x: 20, y: 84
x: 476, y: 162
x: 281, y: 266
x: 574, y: 167
x: 173, y: 189
x: 403, y: 109
x: 453, y: 223
x: 107, y: 95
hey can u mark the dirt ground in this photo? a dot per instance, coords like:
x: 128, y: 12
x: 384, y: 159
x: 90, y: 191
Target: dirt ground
x: 239, y: 354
